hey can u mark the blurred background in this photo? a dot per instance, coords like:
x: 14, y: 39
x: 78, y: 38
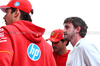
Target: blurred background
x: 50, y: 14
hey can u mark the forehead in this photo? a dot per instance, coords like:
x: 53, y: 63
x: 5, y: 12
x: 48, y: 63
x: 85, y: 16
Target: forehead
x: 56, y: 42
x: 7, y: 9
x: 68, y: 24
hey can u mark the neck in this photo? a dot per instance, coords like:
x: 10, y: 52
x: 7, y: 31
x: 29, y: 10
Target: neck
x: 63, y: 51
x: 75, y: 40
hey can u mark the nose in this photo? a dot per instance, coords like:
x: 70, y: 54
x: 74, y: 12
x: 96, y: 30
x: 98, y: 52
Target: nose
x: 4, y: 16
x: 64, y: 30
x: 53, y: 44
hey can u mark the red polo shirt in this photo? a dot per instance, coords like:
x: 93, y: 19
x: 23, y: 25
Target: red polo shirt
x: 61, y: 59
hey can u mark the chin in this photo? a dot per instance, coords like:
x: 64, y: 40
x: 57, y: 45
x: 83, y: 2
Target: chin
x: 54, y: 50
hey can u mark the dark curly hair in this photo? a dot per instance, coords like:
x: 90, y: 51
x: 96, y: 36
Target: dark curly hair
x: 76, y: 21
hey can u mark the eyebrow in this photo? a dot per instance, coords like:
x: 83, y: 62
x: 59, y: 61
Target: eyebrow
x: 66, y: 26
x: 55, y: 42
x: 7, y: 9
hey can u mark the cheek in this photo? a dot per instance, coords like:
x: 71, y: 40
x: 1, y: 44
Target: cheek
x: 64, y: 29
x: 60, y: 44
x: 70, y: 31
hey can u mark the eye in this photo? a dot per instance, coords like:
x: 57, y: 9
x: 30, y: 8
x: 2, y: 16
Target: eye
x: 66, y: 27
x: 6, y: 10
x: 54, y: 42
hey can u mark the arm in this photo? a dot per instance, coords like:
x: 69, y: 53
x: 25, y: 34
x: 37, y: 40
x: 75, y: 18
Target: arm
x: 6, y: 50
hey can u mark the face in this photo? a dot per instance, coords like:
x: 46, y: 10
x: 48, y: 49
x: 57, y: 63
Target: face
x: 69, y: 31
x: 57, y: 46
x: 8, y: 17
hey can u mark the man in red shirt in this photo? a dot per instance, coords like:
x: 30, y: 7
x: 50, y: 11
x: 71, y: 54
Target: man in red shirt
x: 21, y: 42
x: 59, y: 46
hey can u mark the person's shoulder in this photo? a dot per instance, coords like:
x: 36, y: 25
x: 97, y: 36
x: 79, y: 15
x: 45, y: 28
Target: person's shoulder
x: 7, y: 27
x: 45, y: 43
x: 3, y: 29
x: 85, y: 42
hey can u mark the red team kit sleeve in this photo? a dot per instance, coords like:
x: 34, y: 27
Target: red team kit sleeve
x: 6, y: 50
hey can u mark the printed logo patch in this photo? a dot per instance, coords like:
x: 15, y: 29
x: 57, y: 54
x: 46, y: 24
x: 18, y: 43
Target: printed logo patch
x: 34, y: 52
x: 52, y: 33
x: 17, y: 4
x: 2, y: 36
x: 63, y: 36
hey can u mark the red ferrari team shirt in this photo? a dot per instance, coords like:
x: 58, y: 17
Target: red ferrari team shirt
x: 61, y: 59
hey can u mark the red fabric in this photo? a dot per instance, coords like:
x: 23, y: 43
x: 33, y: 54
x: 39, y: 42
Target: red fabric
x: 23, y: 5
x: 15, y: 40
x: 56, y: 35
x: 61, y: 59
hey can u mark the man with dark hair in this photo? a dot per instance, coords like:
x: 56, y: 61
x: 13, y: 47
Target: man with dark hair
x: 59, y: 46
x: 21, y: 42
x: 84, y: 53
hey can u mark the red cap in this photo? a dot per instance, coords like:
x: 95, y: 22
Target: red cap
x: 56, y: 35
x: 23, y: 5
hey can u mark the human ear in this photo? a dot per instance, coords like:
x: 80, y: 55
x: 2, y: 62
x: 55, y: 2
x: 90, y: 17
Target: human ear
x: 16, y: 13
x: 65, y: 42
x: 78, y: 29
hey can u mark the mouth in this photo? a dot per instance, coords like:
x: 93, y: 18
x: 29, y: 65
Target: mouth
x: 4, y: 20
x: 54, y: 48
x: 65, y: 34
